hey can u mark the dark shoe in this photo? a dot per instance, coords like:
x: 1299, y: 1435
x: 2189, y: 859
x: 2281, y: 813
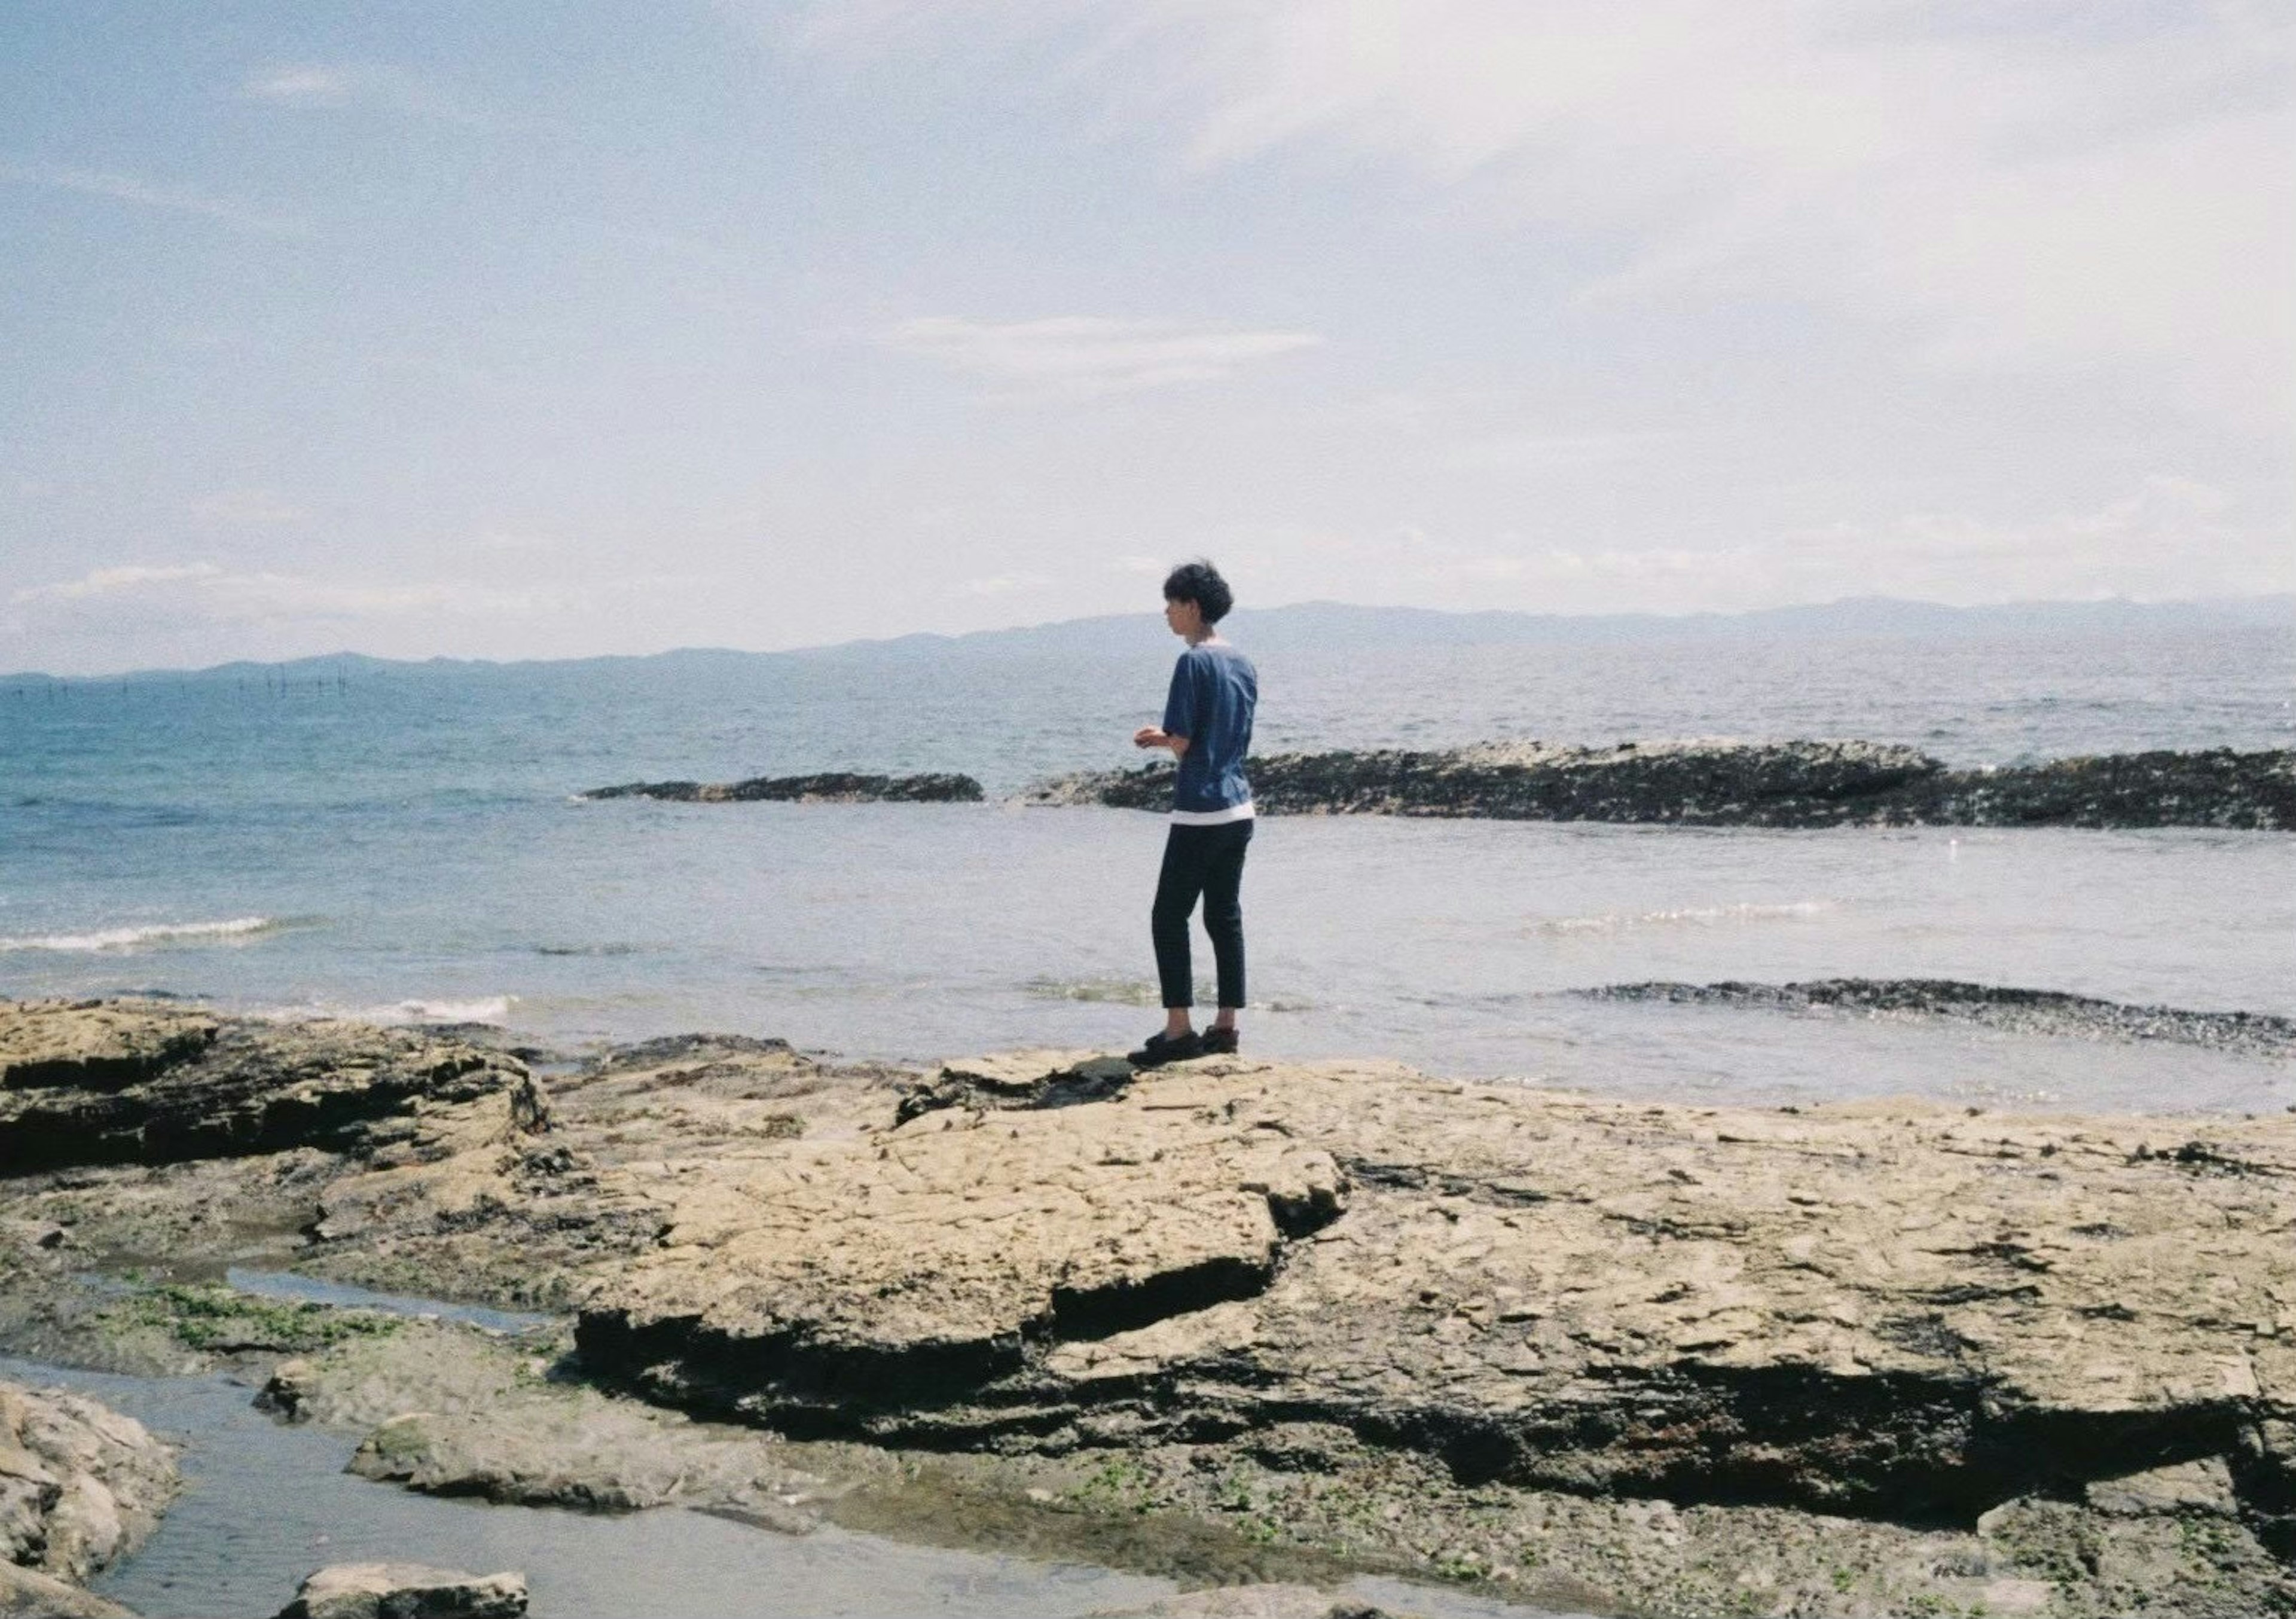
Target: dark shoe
x: 1161, y: 1049
x: 1219, y: 1043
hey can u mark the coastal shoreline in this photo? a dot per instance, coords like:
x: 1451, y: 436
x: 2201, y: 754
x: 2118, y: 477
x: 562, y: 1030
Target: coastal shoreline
x: 1583, y: 1352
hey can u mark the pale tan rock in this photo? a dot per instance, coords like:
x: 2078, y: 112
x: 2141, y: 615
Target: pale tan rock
x: 91, y: 1082
x: 80, y: 1484
x: 2205, y: 1486
x: 1576, y: 1293
x: 588, y: 1454
x: 26, y: 1593
x: 1271, y: 1601
x: 1602, y: 1344
x: 99, y: 1044
x: 406, y: 1591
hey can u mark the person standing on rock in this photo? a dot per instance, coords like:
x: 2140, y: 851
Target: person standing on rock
x: 1207, y: 728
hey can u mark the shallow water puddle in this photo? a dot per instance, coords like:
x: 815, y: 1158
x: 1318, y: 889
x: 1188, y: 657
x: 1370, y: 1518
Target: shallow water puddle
x: 265, y: 1504
x: 310, y: 1290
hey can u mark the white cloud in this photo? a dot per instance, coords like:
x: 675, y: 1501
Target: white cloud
x: 111, y: 581
x: 133, y: 595
x: 2170, y: 537
x: 1080, y: 356
x: 1546, y: 452
x: 146, y: 193
x: 2049, y: 186
x: 253, y: 507
x: 513, y: 540
x: 1411, y: 563
x: 307, y: 85
x: 326, y: 85
x: 1005, y: 585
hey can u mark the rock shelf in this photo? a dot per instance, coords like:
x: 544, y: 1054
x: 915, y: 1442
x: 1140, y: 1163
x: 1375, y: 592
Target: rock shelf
x: 1729, y: 783
x: 1592, y: 1350
x: 84, y: 1083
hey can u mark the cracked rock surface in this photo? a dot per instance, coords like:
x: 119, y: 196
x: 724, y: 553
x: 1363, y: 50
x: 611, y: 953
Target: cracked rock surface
x: 1886, y: 1310
x: 1849, y: 1359
x: 124, y: 1081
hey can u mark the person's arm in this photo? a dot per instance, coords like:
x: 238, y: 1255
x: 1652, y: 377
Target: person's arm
x: 1150, y: 736
x: 1179, y: 707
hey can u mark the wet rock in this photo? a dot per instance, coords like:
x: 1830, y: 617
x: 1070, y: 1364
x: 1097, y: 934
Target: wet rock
x: 1273, y: 1601
x: 2264, y: 1471
x: 449, y: 1411
x: 834, y: 787
x: 591, y: 1455
x: 2205, y: 1486
x: 80, y: 1484
x: 2032, y: 1011
x: 406, y: 1591
x: 286, y: 1392
x: 33, y: 1595
x: 1017, y: 1079
x: 126, y: 1081
x: 1726, y: 783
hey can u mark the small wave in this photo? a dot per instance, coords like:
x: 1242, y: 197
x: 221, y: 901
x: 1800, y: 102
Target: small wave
x: 588, y: 950
x: 1139, y: 992
x: 1119, y: 991
x: 1701, y: 916
x: 153, y: 933
x: 482, y: 1009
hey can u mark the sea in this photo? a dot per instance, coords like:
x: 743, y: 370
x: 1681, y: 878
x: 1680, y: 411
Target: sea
x: 407, y: 843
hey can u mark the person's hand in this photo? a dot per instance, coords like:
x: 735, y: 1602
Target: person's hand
x: 1149, y: 736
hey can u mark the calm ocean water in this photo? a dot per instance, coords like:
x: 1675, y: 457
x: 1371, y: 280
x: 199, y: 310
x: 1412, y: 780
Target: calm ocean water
x: 405, y: 844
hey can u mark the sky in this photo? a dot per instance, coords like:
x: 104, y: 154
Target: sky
x: 544, y: 330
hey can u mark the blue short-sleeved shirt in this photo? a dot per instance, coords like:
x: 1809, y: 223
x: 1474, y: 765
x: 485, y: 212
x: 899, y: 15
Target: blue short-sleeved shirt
x: 1214, y: 691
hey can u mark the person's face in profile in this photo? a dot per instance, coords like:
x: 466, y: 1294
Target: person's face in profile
x: 1186, y: 617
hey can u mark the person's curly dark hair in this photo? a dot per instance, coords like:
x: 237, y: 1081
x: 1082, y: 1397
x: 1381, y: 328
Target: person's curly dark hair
x: 1201, y: 583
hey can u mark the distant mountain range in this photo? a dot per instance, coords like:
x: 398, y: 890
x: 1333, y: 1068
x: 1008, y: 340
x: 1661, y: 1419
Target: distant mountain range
x: 1313, y: 624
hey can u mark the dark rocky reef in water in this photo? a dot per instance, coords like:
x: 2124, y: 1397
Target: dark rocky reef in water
x: 1770, y: 784
x: 832, y: 787
x: 2025, y: 1011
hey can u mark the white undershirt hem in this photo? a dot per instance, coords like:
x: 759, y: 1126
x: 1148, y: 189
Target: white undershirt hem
x: 1219, y: 817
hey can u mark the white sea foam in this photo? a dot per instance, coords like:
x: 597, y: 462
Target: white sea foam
x: 153, y: 933
x: 1696, y: 916
x: 477, y: 1009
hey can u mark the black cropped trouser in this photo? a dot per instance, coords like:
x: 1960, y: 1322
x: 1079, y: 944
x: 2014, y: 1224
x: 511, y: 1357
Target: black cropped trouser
x: 1207, y: 861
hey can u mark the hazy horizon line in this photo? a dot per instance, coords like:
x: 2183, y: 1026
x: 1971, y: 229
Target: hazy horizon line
x: 2183, y: 603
